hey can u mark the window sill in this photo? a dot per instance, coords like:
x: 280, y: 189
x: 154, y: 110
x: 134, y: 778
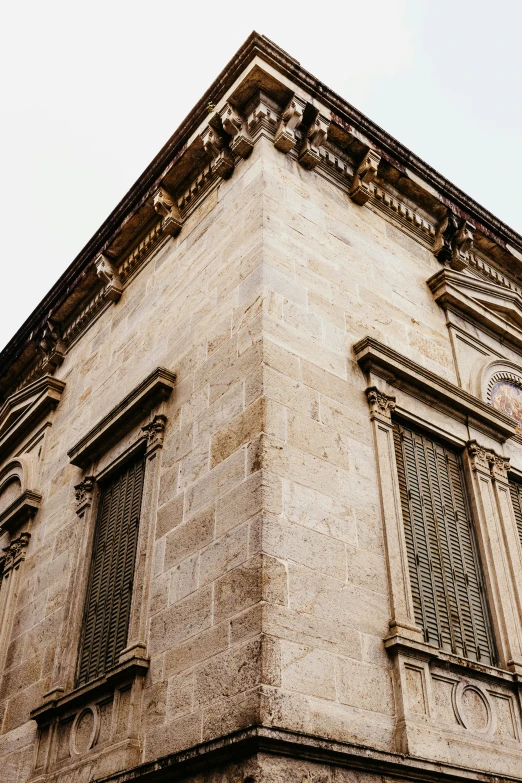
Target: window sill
x: 58, y: 702
x: 400, y: 644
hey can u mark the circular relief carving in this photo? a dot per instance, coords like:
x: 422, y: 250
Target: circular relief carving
x: 85, y: 729
x: 505, y: 394
x: 473, y: 708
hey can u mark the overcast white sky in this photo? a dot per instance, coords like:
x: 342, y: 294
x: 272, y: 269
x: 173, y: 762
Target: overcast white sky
x: 92, y: 91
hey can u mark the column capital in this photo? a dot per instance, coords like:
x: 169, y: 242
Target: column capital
x: 83, y: 493
x: 487, y: 460
x: 15, y: 552
x: 381, y: 405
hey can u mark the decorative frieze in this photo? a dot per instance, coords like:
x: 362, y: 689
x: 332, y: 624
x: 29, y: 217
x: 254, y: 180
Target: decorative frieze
x: 108, y: 273
x: 165, y: 206
x: 366, y: 172
x: 400, y: 212
x: 14, y: 554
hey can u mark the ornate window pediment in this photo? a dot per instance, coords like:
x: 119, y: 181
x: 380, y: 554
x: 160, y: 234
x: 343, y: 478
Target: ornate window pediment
x: 483, y: 302
x: 19, y: 502
x: 24, y: 409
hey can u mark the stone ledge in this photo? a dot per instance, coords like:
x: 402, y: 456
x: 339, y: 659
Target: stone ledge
x: 130, y: 668
x: 259, y: 739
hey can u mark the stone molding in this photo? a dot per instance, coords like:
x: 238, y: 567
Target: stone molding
x: 487, y: 303
x: 120, y: 420
x: 376, y: 358
x: 25, y: 409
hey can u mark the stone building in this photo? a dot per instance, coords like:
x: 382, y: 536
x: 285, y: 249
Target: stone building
x: 261, y: 466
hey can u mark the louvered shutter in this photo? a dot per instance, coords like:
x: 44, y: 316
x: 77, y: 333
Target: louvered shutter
x: 515, y: 488
x: 109, y: 591
x: 446, y: 581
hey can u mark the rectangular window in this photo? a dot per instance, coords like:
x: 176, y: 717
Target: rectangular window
x: 109, y: 592
x: 446, y: 580
x: 515, y: 488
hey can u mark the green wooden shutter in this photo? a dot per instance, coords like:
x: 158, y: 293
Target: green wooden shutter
x: 515, y: 488
x: 446, y: 581
x: 109, y: 592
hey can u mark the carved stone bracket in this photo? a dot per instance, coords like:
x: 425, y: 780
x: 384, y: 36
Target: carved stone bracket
x: 454, y: 242
x: 215, y: 146
x: 285, y: 138
x: 233, y: 123
x: 14, y: 554
x: 315, y: 136
x: 366, y: 173
x: 83, y: 493
x: 108, y: 272
x: 381, y: 405
x: 165, y: 206
x: 488, y: 461
x: 52, y: 347
x: 155, y: 431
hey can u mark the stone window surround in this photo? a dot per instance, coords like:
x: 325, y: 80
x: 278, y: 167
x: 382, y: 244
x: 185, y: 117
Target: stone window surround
x: 146, y: 401
x: 400, y: 394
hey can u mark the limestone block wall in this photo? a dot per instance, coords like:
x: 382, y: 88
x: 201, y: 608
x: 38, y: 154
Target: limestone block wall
x: 269, y: 597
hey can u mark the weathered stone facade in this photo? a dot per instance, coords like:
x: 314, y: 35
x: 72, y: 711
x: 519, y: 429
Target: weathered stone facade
x: 282, y: 281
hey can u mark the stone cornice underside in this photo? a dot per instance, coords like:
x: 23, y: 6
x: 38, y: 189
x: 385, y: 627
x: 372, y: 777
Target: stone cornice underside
x: 262, y: 92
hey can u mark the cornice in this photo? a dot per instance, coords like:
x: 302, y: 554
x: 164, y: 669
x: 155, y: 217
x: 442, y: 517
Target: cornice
x: 199, y: 158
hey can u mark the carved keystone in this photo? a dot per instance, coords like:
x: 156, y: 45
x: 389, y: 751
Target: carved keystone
x: 165, y: 206
x: 285, y: 138
x: 366, y: 173
x: 108, y: 272
x: 315, y: 137
x: 215, y: 146
x: 241, y: 143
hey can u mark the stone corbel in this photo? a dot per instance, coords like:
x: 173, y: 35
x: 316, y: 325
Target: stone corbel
x: 108, y: 273
x: 366, y: 173
x: 454, y: 241
x: 166, y: 206
x: 216, y: 147
x: 285, y: 138
x: 240, y: 141
x: 52, y: 347
x: 314, y: 138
